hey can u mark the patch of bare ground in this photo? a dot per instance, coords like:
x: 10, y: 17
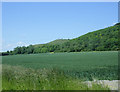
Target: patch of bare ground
x: 112, y: 85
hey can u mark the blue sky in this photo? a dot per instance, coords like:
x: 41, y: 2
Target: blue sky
x: 38, y: 23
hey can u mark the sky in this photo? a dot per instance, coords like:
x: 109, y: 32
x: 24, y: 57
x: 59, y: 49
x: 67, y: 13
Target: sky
x: 26, y: 23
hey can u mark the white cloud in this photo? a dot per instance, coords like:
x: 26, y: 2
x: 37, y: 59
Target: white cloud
x: 114, y: 23
x: 10, y: 46
x: 21, y: 44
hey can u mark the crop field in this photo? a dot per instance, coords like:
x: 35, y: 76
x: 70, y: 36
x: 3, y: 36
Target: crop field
x: 103, y: 63
x: 80, y: 66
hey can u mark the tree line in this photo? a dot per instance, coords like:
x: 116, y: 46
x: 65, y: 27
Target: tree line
x: 101, y: 40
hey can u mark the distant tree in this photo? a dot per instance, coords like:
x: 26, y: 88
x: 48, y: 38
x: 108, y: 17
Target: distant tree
x: 8, y: 52
x: 30, y: 49
x: 44, y: 50
x: 17, y: 50
x: 23, y: 50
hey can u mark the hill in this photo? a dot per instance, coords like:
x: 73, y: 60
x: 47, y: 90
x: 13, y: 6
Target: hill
x: 58, y: 42
x: 55, y: 42
x: 101, y: 40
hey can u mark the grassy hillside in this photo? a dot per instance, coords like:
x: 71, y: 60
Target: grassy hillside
x: 100, y: 40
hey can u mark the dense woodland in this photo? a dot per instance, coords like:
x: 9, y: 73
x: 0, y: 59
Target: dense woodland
x: 101, y: 40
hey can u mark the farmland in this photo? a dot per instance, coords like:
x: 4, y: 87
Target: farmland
x: 62, y: 71
x: 101, y: 65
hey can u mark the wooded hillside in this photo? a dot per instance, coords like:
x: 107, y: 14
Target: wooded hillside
x: 101, y: 40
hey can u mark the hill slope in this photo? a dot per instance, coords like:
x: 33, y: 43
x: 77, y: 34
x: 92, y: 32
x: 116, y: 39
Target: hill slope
x: 58, y: 42
x: 100, y: 40
x: 55, y: 42
x: 104, y: 39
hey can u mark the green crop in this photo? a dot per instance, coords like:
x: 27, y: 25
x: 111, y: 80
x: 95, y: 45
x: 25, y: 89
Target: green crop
x: 86, y: 65
x: 19, y: 78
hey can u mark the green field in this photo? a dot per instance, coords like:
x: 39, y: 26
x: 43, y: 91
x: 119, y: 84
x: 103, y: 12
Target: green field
x: 85, y: 65
x: 59, y: 71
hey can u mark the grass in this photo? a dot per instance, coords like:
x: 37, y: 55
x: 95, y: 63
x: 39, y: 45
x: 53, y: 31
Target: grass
x: 19, y: 78
x: 83, y: 65
x: 59, y: 71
